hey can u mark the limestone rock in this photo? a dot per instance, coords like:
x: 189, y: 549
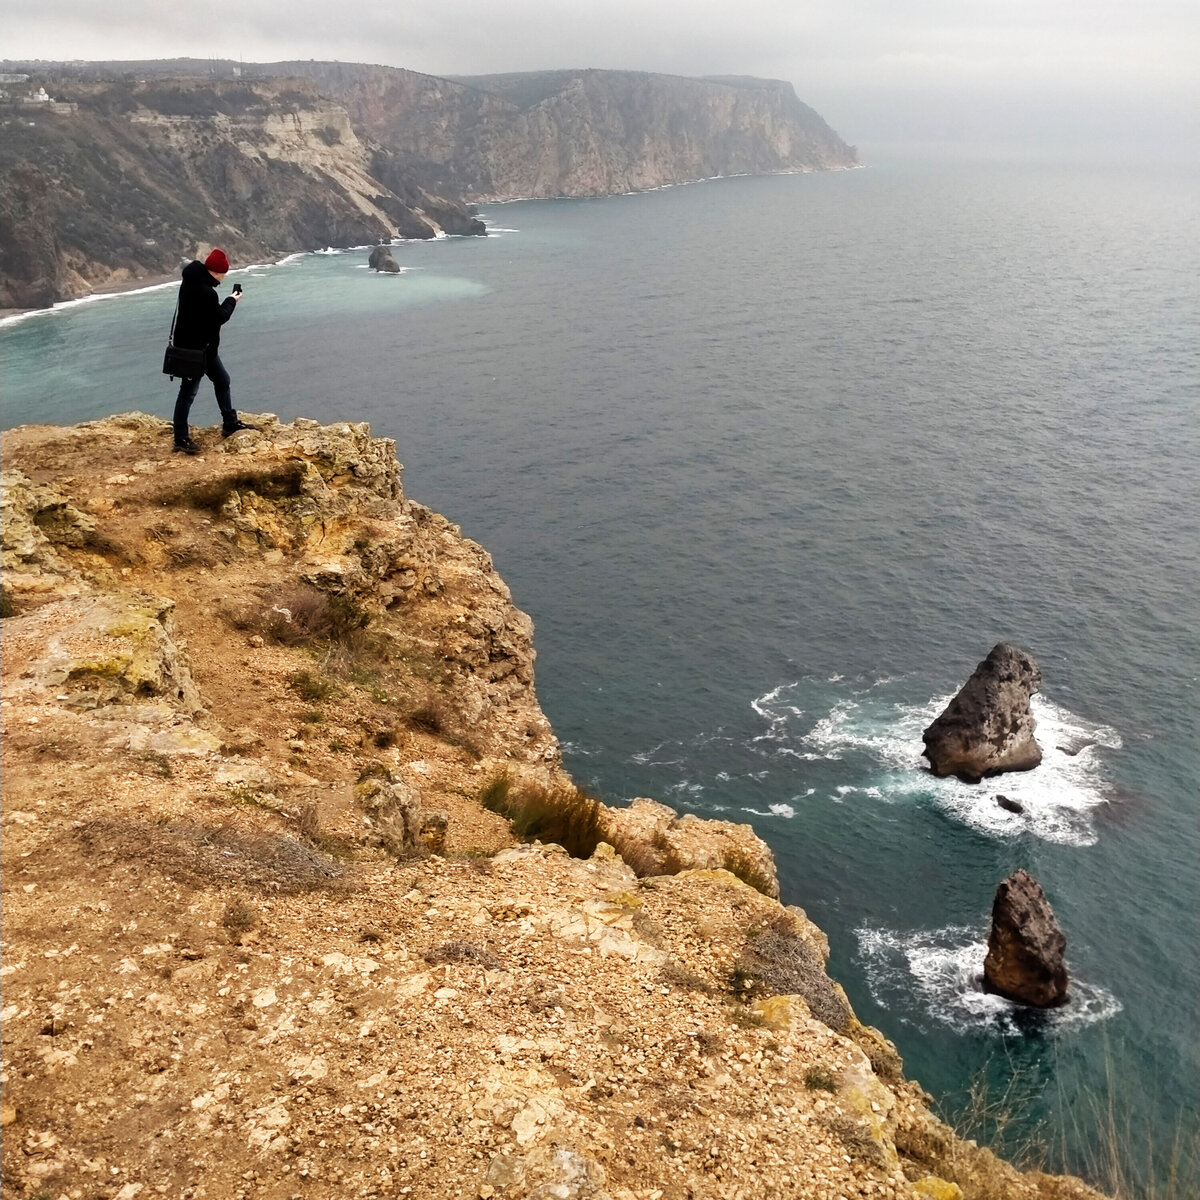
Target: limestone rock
x: 403, y: 824
x: 34, y: 517
x: 1025, y: 946
x: 655, y: 840
x: 581, y: 132
x: 103, y: 649
x: 381, y: 260
x: 988, y: 727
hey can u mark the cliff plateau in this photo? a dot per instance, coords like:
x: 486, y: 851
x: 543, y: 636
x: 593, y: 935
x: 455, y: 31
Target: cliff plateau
x: 263, y: 935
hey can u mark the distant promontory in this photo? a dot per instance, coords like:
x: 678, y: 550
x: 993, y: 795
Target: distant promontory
x: 114, y: 172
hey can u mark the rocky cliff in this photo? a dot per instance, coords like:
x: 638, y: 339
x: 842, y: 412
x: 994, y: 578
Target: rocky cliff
x: 579, y: 133
x: 140, y: 164
x: 122, y: 179
x: 270, y: 930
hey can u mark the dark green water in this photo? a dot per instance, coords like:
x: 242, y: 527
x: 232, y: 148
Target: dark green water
x: 773, y: 463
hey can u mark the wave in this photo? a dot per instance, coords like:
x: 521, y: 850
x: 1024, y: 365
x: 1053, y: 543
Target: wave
x: 773, y: 810
x: 878, y: 737
x: 63, y: 306
x: 941, y: 971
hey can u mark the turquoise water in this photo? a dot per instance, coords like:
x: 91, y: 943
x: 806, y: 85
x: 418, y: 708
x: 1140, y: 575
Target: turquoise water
x: 773, y: 463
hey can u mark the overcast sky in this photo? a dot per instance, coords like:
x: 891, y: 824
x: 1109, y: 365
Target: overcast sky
x: 879, y: 70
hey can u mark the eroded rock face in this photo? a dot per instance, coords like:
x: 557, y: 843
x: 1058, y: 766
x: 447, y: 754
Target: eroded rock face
x: 1025, y: 947
x: 988, y: 727
x: 402, y: 822
x: 655, y: 840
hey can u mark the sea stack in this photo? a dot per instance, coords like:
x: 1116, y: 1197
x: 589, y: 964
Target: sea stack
x: 988, y: 727
x: 381, y: 260
x: 1025, y: 946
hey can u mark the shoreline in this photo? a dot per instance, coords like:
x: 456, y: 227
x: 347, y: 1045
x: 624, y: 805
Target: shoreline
x: 152, y: 282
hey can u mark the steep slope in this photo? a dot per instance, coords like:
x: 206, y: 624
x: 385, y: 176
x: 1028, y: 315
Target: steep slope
x: 121, y: 179
x: 263, y: 937
x: 579, y: 133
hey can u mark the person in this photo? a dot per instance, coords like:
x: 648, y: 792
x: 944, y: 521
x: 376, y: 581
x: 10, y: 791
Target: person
x: 198, y: 326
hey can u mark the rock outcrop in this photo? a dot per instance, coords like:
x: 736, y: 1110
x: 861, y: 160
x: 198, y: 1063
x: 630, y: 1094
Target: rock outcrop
x: 656, y: 840
x: 988, y: 727
x: 1025, y: 945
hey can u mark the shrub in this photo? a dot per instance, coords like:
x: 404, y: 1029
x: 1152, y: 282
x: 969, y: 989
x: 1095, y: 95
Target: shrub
x: 239, y: 918
x: 818, y: 1079
x: 783, y: 964
x: 298, y: 614
x: 429, y: 716
x: 461, y: 952
x: 561, y: 813
x: 311, y: 685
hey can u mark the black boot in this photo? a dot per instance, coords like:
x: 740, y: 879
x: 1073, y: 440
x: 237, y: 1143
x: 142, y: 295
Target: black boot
x: 187, y: 446
x: 236, y: 427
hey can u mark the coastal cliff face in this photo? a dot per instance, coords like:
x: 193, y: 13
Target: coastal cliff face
x: 264, y: 936
x: 120, y: 180
x: 139, y: 165
x: 580, y: 133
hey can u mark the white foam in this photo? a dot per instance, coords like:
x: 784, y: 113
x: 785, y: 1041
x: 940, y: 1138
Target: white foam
x: 772, y: 810
x: 942, y: 970
x: 1058, y: 797
x: 96, y: 298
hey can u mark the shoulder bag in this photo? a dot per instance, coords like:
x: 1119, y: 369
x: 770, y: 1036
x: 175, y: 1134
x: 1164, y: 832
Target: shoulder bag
x: 182, y: 361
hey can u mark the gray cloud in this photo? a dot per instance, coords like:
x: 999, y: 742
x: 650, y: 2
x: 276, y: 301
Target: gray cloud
x: 871, y: 59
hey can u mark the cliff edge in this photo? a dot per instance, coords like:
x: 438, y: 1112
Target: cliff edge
x: 264, y: 933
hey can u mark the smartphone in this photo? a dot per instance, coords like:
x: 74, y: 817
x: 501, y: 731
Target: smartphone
x: 237, y: 289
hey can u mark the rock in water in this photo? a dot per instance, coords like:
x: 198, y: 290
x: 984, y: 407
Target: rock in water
x: 381, y: 260
x: 1025, y: 946
x: 988, y: 727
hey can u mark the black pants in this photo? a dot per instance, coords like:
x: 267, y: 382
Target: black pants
x: 187, y: 393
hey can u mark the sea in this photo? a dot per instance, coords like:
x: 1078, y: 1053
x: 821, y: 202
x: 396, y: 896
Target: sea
x: 773, y: 463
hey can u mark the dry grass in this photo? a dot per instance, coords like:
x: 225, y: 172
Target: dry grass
x: 749, y: 872
x: 818, y: 1079
x: 203, y: 855
x: 312, y: 685
x: 430, y: 716
x: 777, y: 962
x: 464, y: 952
x: 298, y: 614
x: 560, y: 813
x: 239, y: 918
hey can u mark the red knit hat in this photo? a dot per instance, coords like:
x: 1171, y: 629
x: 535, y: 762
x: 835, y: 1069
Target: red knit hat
x: 217, y: 263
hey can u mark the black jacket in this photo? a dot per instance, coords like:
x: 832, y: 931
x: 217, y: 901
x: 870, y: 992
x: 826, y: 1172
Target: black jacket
x: 201, y: 314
